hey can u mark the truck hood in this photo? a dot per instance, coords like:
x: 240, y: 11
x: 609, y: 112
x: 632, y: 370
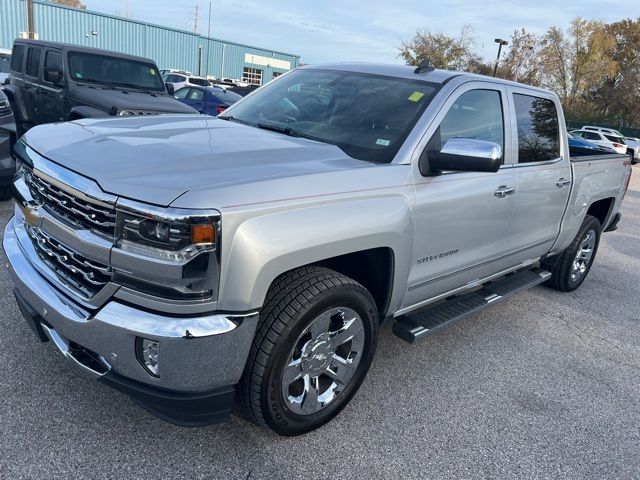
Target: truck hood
x: 128, y: 99
x: 156, y: 159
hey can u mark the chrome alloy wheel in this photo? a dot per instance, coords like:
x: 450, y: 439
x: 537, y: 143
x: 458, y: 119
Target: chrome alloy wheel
x: 323, y: 361
x: 583, y: 256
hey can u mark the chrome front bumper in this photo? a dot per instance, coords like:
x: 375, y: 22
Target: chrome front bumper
x: 196, y: 353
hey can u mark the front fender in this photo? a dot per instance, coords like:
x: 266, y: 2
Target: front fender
x: 267, y: 246
x: 14, y: 95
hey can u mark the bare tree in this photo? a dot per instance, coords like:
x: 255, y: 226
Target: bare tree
x: 71, y: 3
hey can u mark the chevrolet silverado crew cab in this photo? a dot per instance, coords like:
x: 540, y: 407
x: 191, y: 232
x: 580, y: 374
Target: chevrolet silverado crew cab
x: 199, y: 264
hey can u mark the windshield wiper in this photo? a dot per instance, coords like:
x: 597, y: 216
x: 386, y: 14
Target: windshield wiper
x: 137, y: 87
x: 291, y: 132
x: 96, y: 81
x: 231, y: 118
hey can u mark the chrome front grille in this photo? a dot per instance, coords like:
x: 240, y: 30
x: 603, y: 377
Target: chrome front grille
x: 85, y: 276
x: 79, y: 211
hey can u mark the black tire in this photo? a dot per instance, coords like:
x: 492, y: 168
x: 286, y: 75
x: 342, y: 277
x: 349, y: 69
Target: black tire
x: 294, y: 300
x: 561, y: 267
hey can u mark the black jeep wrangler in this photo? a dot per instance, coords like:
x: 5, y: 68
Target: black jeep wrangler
x: 53, y: 82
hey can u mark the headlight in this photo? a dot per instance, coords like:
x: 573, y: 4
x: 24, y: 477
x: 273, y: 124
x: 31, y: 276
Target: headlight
x: 174, y: 235
x: 166, y: 252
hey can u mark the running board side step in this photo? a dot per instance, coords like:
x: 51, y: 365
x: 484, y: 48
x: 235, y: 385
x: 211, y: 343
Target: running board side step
x: 416, y: 326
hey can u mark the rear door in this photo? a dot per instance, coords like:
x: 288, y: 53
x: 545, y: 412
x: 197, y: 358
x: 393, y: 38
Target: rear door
x: 32, y: 78
x: 543, y: 172
x: 462, y: 219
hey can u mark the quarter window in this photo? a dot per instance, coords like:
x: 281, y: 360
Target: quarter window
x: 538, y: 129
x: 33, y: 61
x: 475, y: 114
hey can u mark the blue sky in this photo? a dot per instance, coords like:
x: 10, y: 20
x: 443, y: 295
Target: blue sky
x: 362, y: 30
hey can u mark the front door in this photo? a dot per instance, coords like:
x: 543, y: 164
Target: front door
x: 51, y: 95
x: 462, y: 219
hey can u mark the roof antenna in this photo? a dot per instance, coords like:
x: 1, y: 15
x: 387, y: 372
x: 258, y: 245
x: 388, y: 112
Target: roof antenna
x: 425, y: 66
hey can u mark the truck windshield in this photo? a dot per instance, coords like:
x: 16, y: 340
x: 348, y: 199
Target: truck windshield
x: 123, y: 72
x: 367, y: 116
x: 5, y: 61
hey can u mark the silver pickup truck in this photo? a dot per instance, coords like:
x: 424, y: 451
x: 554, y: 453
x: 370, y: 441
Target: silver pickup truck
x: 199, y: 264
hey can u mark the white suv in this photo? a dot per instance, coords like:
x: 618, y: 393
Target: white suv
x: 614, y: 142
x: 180, y: 80
x: 633, y: 144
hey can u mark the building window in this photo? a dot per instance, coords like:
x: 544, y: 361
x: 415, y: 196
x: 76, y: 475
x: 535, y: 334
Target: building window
x: 276, y: 74
x: 252, y: 75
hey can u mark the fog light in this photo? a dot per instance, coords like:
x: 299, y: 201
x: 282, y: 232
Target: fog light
x: 147, y: 352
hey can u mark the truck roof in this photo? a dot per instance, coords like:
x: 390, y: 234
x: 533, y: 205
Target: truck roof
x: 80, y: 48
x: 405, y: 71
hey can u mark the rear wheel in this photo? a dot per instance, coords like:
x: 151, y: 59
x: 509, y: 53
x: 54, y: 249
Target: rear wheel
x: 314, y: 346
x: 569, y: 270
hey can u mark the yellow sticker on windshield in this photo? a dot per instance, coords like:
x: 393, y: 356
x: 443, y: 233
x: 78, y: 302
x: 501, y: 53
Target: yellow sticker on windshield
x: 152, y: 71
x: 415, y: 96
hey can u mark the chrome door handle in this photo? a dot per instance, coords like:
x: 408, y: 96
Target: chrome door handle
x: 563, y: 182
x: 503, y: 191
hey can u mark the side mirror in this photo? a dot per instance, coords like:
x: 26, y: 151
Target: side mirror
x: 170, y: 88
x: 53, y: 75
x: 463, y: 155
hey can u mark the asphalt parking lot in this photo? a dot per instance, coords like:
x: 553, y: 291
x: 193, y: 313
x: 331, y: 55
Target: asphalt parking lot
x: 545, y: 385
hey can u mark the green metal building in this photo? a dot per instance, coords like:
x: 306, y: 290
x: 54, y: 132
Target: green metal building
x: 169, y: 47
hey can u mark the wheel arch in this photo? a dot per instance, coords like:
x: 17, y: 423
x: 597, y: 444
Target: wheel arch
x: 601, y: 209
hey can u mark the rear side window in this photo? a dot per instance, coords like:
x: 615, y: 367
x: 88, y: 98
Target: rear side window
x: 590, y: 136
x: 33, y: 61
x: 613, y: 138
x: 538, y: 129
x: 182, y: 93
x: 17, y: 58
x: 196, y: 95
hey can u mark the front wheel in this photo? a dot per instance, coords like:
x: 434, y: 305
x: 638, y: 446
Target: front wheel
x: 315, y: 343
x: 570, y: 269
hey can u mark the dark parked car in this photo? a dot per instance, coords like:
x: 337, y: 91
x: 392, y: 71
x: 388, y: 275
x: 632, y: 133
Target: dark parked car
x: 244, y: 91
x: 7, y: 138
x: 53, y: 82
x: 207, y: 100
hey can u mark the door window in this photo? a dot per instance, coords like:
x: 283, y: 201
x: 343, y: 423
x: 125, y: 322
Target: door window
x: 182, y: 93
x: 196, y: 95
x: 33, y: 61
x: 538, y: 129
x: 53, y: 60
x: 17, y: 58
x: 475, y: 114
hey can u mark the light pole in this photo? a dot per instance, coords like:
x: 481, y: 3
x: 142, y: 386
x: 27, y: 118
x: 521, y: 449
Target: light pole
x: 500, y: 43
x: 206, y: 67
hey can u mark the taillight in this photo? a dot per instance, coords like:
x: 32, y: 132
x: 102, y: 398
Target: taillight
x: 618, y: 145
x: 221, y: 108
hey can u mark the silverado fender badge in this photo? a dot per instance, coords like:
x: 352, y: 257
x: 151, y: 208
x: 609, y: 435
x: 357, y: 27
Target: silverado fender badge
x: 437, y: 256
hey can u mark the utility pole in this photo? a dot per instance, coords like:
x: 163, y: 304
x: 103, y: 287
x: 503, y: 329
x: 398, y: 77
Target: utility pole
x: 206, y: 61
x: 196, y: 18
x: 30, y: 28
x: 500, y: 43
